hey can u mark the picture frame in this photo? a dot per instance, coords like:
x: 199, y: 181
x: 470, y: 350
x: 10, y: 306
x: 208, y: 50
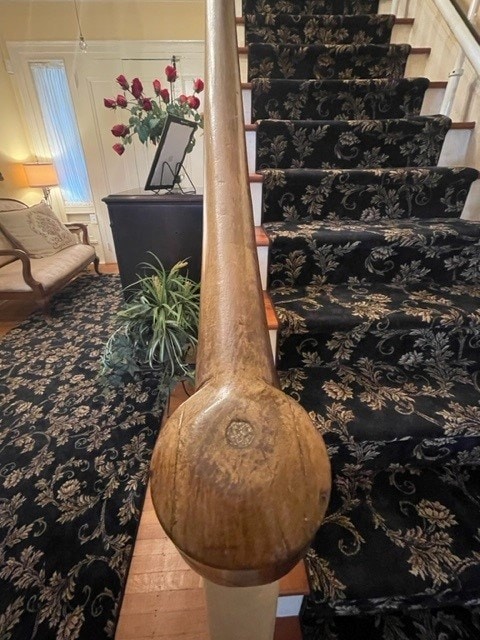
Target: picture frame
x: 172, y: 148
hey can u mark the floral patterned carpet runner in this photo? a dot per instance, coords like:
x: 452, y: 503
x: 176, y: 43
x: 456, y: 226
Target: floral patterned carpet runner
x: 74, y: 460
x: 376, y: 283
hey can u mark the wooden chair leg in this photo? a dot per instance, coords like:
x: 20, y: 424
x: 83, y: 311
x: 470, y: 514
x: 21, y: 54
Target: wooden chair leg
x: 96, y: 262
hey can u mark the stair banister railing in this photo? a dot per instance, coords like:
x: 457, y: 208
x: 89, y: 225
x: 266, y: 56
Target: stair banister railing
x: 469, y: 48
x: 240, y: 477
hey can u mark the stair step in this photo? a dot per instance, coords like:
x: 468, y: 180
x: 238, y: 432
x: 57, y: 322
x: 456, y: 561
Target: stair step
x: 369, y: 194
x: 344, y: 307
x: 291, y: 61
x: 337, y: 99
x: 384, y: 6
x: 318, y: 29
x: 397, y: 252
x: 349, y: 144
x: 299, y: 7
x: 415, y: 65
x: 400, y: 33
x: 397, y: 540
x: 431, y: 104
x: 453, y: 623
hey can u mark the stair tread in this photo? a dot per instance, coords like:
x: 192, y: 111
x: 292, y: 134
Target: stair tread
x: 454, y: 125
x: 455, y: 622
x: 270, y: 313
x: 434, y: 84
x: 400, y: 252
x: 345, y: 144
x: 328, y: 61
x: 415, y: 533
x: 364, y: 194
x: 316, y: 6
x: 339, y: 99
x: 345, y: 306
x: 295, y: 583
x: 413, y: 50
x: 308, y: 29
x: 408, y: 21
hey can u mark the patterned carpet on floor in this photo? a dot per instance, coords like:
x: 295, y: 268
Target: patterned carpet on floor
x: 74, y: 460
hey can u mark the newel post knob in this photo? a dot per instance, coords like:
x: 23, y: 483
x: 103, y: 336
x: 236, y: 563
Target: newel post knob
x: 240, y: 482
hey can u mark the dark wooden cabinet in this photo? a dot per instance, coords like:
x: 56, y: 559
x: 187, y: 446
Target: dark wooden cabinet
x: 170, y: 226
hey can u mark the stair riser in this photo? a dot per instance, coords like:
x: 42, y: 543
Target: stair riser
x: 453, y: 151
x: 405, y: 9
x: 415, y: 68
x: 393, y: 346
x: 431, y: 104
x: 371, y: 196
x: 385, y: 6
x: 400, y: 34
x: 426, y: 257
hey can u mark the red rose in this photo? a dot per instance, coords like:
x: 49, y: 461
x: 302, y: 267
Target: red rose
x: 157, y: 87
x: 123, y: 82
x: 193, y: 102
x: 109, y: 103
x: 147, y: 104
x: 165, y: 95
x: 120, y: 130
x: 121, y: 101
x: 137, y: 88
x: 118, y: 148
x: 182, y: 99
x: 198, y: 85
x: 171, y: 73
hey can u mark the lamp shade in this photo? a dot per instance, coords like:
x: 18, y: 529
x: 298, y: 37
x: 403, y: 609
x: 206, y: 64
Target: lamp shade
x: 40, y: 174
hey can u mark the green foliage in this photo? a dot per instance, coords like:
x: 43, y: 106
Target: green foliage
x: 156, y: 329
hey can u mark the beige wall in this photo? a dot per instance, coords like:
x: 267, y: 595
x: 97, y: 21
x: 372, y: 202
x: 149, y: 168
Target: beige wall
x: 39, y: 20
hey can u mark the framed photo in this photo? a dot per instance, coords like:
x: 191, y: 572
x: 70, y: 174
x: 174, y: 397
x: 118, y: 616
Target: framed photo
x: 170, y: 154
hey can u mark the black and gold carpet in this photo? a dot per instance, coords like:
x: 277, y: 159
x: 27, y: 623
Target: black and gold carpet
x: 375, y: 280
x: 74, y: 460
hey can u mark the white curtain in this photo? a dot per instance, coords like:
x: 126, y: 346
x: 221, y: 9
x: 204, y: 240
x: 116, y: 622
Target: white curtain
x: 62, y: 132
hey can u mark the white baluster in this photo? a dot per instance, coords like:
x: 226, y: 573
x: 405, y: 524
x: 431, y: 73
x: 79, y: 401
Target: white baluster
x: 452, y: 86
x: 457, y: 73
x: 472, y: 12
x: 395, y: 6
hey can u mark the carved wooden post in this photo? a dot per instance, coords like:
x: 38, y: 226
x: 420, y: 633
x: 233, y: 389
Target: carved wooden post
x: 240, y: 477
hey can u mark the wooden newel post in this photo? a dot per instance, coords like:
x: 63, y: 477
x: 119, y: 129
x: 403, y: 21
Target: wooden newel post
x: 240, y: 476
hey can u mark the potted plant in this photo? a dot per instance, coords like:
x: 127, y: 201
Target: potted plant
x: 156, y: 330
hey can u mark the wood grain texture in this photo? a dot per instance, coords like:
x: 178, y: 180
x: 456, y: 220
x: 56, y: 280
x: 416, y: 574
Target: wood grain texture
x: 240, y: 477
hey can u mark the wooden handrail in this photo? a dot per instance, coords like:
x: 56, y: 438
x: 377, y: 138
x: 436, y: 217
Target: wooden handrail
x: 240, y: 476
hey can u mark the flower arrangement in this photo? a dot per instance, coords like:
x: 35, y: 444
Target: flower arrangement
x: 148, y: 114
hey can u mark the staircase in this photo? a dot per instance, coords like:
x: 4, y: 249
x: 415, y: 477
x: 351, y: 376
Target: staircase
x: 375, y: 280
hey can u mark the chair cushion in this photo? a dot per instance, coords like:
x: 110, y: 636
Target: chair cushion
x: 36, y: 230
x: 49, y: 271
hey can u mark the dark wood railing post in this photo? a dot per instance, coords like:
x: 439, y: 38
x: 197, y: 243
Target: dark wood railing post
x: 240, y: 477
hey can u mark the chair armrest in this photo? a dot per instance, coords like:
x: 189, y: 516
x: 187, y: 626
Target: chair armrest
x: 26, y: 267
x: 76, y: 227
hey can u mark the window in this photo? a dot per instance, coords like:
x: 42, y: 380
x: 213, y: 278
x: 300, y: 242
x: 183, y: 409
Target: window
x: 62, y: 132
